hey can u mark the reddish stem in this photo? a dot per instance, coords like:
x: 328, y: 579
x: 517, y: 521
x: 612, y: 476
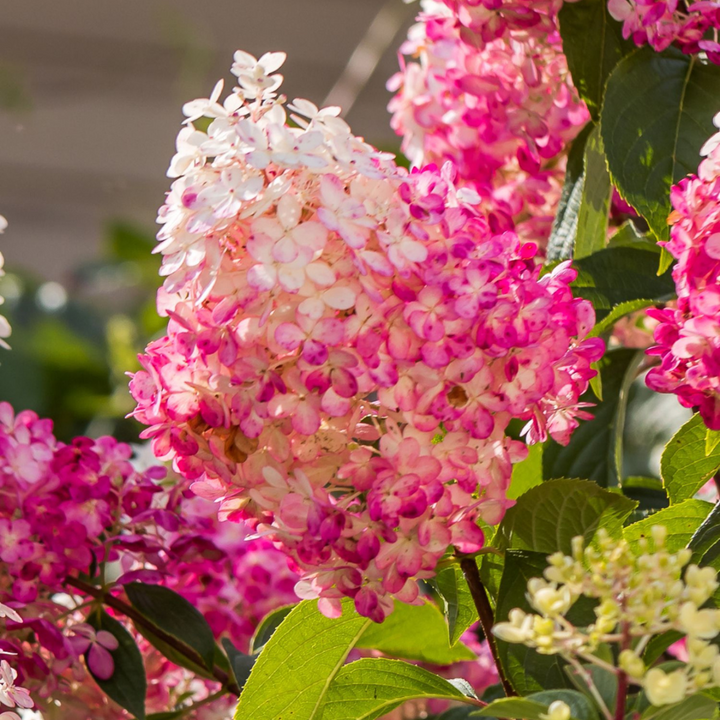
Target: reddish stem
x: 485, y: 613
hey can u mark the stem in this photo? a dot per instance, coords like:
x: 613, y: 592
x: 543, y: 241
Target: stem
x: 587, y: 677
x: 141, y: 621
x: 485, y: 613
x: 622, y: 678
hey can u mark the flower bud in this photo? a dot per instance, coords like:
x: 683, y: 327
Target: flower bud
x: 518, y: 629
x: 631, y: 663
x: 698, y: 623
x: 558, y: 710
x: 665, y: 688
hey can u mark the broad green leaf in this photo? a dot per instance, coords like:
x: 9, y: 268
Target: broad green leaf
x: 527, y: 670
x: 648, y: 491
x: 528, y: 473
x: 415, y: 632
x: 657, y: 114
x: 595, y: 203
x: 659, y: 644
x: 695, y: 707
x: 240, y: 664
x: 564, y: 229
x: 459, y: 606
x: 706, y: 537
x: 290, y: 679
x: 535, y: 705
x: 491, y: 569
x: 628, y: 235
x: 268, y: 625
x: 128, y: 684
x: 516, y: 707
x: 619, y: 311
x: 176, y: 616
x: 618, y: 275
x: 666, y: 260
x: 593, y: 44
x: 605, y: 682
x: 712, y: 439
x: 681, y: 520
x: 595, y: 448
x: 369, y: 688
x: 684, y: 465
x: 462, y: 712
x: 546, y: 518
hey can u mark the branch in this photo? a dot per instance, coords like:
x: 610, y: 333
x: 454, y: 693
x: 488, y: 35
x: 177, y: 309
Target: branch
x: 485, y: 613
x: 142, y: 622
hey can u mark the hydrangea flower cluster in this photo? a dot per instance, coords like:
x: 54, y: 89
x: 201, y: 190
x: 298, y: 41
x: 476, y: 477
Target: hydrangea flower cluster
x: 688, y: 335
x: 488, y: 87
x: 11, y: 694
x: 642, y: 592
x: 660, y: 23
x: 83, y: 509
x: 347, y: 343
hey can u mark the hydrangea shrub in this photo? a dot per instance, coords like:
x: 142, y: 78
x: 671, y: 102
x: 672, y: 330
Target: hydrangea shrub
x: 384, y: 471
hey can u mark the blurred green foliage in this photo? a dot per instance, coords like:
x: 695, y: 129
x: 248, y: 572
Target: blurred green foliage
x: 72, y: 345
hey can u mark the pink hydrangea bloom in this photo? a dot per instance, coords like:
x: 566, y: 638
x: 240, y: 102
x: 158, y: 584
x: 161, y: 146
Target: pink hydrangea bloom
x: 486, y: 85
x: 688, y: 335
x: 347, y: 343
x: 661, y: 23
x: 82, y: 508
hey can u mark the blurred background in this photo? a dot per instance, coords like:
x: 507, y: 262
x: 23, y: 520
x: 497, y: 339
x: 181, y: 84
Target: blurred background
x: 90, y: 103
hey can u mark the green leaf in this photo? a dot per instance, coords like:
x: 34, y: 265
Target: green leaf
x: 268, y: 625
x: 648, y: 491
x: 128, y: 684
x: 706, y: 537
x: 290, y: 679
x: 666, y: 260
x: 618, y: 275
x: 459, y: 606
x: 531, y: 707
x: 369, y: 688
x: 681, y: 520
x: 593, y: 44
x: 695, y: 707
x: 527, y: 670
x: 528, y: 473
x: 628, y: 235
x: 240, y: 663
x: 604, y: 681
x: 595, y: 204
x: 659, y: 644
x: 564, y: 229
x: 548, y: 517
x: 619, y: 311
x: 712, y: 439
x: 415, y: 632
x: 685, y: 467
x: 657, y: 114
x: 595, y: 448
x: 176, y: 616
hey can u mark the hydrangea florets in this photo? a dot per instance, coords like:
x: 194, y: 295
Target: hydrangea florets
x: 642, y: 590
x: 487, y: 86
x: 661, y: 23
x: 347, y: 343
x: 84, y: 510
x: 688, y: 336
